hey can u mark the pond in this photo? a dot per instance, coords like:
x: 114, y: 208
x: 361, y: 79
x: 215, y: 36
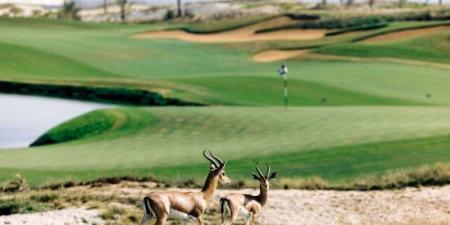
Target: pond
x: 24, y: 118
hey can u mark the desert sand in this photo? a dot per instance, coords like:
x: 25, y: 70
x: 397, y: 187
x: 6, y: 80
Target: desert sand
x: 424, y: 205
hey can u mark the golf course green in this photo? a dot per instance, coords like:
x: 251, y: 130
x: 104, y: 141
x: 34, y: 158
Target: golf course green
x: 357, y: 107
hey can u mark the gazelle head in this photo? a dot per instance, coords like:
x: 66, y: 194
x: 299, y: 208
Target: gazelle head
x: 264, y: 179
x: 217, y: 167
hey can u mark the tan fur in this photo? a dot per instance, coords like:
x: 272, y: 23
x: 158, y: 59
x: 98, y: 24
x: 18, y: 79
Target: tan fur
x: 241, y: 204
x: 192, y: 204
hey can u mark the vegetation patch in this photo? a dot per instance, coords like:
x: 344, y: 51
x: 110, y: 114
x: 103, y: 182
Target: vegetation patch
x: 223, y: 25
x: 357, y: 28
x: 19, y: 206
x: 334, y: 24
x: 99, y: 94
x: 373, y: 35
x: 90, y: 125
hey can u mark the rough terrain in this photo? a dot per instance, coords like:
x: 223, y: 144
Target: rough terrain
x: 423, y: 205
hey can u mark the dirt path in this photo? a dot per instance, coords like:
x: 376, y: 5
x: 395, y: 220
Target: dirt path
x: 406, y: 34
x: 244, y: 34
x: 414, y: 206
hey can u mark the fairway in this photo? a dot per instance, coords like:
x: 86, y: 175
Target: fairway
x: 357, y: 108
x: 136, y: 141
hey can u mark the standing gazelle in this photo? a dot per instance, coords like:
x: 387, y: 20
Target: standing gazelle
x: 244, y: 205
x: 185, y: 205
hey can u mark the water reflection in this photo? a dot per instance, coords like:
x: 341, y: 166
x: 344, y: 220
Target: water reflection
x: 24, y: 118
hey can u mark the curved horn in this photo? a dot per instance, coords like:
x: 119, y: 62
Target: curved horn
x: 210, y: 159
x: 268, y: 169
x: 259, y: 171
x: 216, y: 158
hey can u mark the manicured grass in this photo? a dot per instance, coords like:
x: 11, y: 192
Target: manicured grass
x: 211, y: 73
x: 333, y: 142
x: 432, y: 48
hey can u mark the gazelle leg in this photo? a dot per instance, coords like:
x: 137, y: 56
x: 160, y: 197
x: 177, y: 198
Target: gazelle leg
x: 251, y: 221
x: 160, y: 220
x: 233, y: 215
x: 145, y: 220
x: 200, y: 220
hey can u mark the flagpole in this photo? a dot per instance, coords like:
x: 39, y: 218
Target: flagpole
x: 283, y: 71
x: 285, y: 92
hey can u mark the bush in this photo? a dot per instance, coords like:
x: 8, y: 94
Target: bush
x: 69, y: 11
x: 99, y: 94
x: 44, y: 198
x: 19, y: 184
x: 345, y: 23
x: 15, y: 11
x: 15, y: 206
x: 359, y: 28
x: 170, y: 14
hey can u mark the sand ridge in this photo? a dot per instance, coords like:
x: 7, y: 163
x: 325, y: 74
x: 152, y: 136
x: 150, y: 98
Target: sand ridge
x: 407, y: 34
x: 244, y: 34
x: 277, y: 55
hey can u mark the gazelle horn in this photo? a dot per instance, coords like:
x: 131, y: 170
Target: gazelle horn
x: 210, y: 159
x: 259, y: 171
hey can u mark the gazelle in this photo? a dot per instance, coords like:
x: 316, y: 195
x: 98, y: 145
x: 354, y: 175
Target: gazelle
x: 185, y: 205
x: 244, y: 205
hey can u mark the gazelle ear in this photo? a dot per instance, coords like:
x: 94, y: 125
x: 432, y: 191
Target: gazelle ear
x: 273, y: 175
x: 212, y: 166
x: 255, y: 176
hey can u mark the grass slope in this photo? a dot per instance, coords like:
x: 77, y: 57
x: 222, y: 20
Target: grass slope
x: 335, y: 143
x: 433, y: 47
x: 389, y: 115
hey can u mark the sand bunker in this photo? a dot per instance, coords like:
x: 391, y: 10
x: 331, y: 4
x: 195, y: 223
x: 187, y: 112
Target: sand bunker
x: 406, y: 34
x: 244, y: 34
x: 277, y: 55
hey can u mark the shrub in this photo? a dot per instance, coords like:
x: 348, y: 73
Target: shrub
x: 345, y: 23
x: 170, y: 14
x: 69, y: 10
x: 310, y: 183
x: 45, y: 198
x: 15, y: 11
x: 15, y: 206
x: 18, y: 184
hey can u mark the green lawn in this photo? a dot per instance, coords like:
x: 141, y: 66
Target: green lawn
x: 143, y: 139
x: 374, y: 115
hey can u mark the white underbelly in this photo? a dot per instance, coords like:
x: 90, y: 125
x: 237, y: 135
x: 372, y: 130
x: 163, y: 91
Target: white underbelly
x: 175, y: 214
x: 244, y: 212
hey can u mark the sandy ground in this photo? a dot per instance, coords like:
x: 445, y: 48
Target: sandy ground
x: 277, y: 55
x: 242, y: 34
x: 425, y: 205
x: 59, y: 217
x: 406, y: 34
